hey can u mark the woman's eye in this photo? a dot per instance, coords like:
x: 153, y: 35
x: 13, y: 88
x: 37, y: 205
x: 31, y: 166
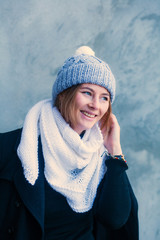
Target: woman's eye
x: 105, y: 98
x: 87, y: 93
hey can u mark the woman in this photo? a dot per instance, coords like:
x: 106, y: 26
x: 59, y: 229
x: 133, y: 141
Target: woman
x: 62, y: 176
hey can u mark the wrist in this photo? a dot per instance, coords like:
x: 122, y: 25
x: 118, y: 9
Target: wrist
x: 116, y: 151
x: 118, y: 157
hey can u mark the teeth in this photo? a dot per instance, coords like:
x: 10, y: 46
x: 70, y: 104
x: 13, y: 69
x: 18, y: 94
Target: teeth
x: 88, y: 115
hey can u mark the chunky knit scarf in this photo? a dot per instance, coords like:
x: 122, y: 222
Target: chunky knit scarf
x: 73, y: 166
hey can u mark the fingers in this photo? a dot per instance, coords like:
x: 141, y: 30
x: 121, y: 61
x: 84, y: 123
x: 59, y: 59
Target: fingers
x: 112, y: 136
x: 113, y: 118
x: 113, y: 122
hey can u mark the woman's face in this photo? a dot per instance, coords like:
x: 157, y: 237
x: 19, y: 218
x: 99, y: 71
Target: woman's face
x: 91, y: 103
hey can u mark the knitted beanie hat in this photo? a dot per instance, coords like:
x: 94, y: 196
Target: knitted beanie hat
x: 84, y: 67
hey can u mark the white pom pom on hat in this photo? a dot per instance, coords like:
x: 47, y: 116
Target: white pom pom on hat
x: 84, y: 50
x: 84, y: 67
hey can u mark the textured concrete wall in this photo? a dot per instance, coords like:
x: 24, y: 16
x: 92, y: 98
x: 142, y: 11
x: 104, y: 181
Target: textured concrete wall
x: 35, y: 38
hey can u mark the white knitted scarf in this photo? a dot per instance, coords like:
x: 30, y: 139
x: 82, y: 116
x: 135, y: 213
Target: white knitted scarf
x: 73, y: 166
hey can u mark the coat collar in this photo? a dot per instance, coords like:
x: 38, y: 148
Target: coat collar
x: 33, y: 197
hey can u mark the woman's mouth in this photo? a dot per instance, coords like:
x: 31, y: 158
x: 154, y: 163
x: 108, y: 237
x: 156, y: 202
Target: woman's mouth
x: 89, y: 114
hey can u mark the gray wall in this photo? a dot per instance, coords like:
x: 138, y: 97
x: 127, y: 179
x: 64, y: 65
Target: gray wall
x: 36, y: 36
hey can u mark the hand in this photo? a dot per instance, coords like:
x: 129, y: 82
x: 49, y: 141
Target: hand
x: 111, y: 135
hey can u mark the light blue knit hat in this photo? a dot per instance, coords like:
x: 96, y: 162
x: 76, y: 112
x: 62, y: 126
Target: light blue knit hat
x: 84, y: 67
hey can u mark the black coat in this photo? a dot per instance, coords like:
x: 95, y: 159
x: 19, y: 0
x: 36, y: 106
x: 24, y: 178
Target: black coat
x: 22, y: 205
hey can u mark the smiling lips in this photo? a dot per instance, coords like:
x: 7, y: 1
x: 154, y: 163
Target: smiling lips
x: 88, y: 114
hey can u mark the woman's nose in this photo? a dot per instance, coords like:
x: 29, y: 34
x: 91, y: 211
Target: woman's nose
x: 94, y: 103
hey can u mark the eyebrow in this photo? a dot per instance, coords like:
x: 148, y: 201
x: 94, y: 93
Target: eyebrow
x: 83, y: 88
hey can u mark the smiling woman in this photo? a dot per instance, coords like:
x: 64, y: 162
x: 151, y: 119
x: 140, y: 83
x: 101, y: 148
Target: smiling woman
x: 68, y: 174
x: 91, y: 103
x: 87, y: 104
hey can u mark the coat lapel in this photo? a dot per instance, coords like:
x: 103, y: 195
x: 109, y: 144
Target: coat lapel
x: 32, y: 196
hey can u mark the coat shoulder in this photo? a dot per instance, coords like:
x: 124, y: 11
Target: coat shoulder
x: 8, y: 144
x: 9, y: 139
x: 10, y: 134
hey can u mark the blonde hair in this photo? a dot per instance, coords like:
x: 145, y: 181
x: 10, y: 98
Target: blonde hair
x: 65, y: 102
